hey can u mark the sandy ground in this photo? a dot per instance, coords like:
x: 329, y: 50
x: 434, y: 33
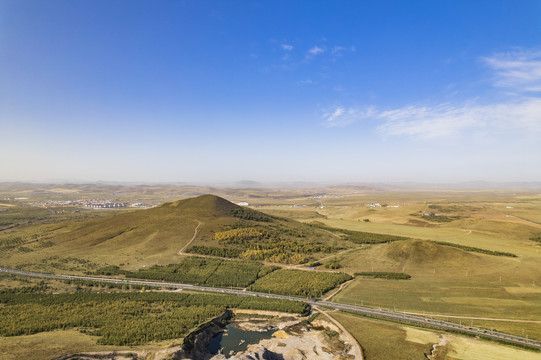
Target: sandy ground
x: 300, y: 341
x: 355, y: 350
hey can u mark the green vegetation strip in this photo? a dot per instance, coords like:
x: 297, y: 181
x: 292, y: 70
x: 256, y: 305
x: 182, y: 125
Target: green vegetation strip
x: 215, y: 251
x: 124, y: 318
x: 249, y: 214
x: 299, y: 282
x: 198, y: 271
x: 384, y: 275
x: 361, y: 237
x: 474, y: 249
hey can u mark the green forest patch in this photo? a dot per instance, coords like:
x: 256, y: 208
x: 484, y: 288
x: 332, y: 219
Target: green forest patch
x: 299, y: 282
x: 124, y: 318
x: 201, y: 271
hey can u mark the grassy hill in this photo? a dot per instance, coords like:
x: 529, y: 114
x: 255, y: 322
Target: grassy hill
x: 206, y: 223
x: 160, y: 231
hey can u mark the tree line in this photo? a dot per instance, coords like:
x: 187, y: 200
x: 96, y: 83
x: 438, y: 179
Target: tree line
x: 361, y: 237
x: 384, y: 275
x: 475, y: 249
x: 124, y: 318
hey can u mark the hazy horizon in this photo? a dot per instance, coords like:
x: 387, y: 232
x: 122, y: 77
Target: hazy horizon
x: 212, y: 92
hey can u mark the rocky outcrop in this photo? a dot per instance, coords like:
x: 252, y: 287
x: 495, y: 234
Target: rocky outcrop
x: 196, y: 343
x: 261, y: 354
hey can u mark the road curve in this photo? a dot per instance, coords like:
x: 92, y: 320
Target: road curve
x: 385, y: 314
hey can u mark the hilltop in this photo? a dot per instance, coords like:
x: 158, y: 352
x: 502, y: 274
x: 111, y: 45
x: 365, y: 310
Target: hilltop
x: 204, y: 205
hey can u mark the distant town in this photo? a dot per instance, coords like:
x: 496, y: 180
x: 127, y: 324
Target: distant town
x: 91, y: 203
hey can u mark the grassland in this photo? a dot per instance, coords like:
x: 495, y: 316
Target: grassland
x: 384, y: 341
x: 387, y: 341
x: 444, y: 280
x: 447, y: 280
x: 50, y: 345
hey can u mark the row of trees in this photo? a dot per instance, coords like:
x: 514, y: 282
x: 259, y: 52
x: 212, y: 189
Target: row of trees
x: 361, y: 237
x: 475, y: 249
x: 441, y: 218
x: 11, y: 241
x: 384, y: 275
x: 215, y: 251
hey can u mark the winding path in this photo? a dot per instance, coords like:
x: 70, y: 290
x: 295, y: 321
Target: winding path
x: 195, y: 233
x: 328, y: 297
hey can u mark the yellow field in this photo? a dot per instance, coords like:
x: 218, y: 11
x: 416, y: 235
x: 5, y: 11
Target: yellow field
x: 463, y: 348
x: 384, y: 341
x: 387, y: 341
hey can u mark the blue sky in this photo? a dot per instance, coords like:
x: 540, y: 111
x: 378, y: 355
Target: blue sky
x: 219, y: 91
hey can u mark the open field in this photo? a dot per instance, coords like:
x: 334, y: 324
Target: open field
x: 382, y: 340
x: 447, y: 280
x: 49, y: 345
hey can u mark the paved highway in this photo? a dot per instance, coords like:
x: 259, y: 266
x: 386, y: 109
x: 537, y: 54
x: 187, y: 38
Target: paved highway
x: 386, y: 314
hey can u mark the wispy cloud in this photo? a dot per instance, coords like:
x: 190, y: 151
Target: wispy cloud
x: 444, y: 120
x: 448, y: 120
x: 315, y: 51
x: 518, y: 70
x: 287, y: 47
x: 337, y: 50
x: 341, y: 116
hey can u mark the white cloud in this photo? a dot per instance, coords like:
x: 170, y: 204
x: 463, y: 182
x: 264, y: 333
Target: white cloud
x: 518, y: 70
x: 521, y: 114
x: 444, y: 120
x: 287, y: 47
x: 447, y: 120
x: 315, y: 50
x: 340, y: 116
x: 337, y: 50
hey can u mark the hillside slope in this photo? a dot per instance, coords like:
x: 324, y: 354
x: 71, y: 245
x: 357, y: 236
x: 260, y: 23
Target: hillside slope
x: 155, y: 236
x: 162, y: 230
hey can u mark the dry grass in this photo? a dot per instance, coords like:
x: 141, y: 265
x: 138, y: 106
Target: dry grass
x: 381, y: 340
x: 49, y: 345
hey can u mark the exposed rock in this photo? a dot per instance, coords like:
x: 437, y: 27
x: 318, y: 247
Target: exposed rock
x: 203, y: 337
x: 261, y: 354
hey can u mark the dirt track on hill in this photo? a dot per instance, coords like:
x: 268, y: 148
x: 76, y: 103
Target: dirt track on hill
x: 195, y: 233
